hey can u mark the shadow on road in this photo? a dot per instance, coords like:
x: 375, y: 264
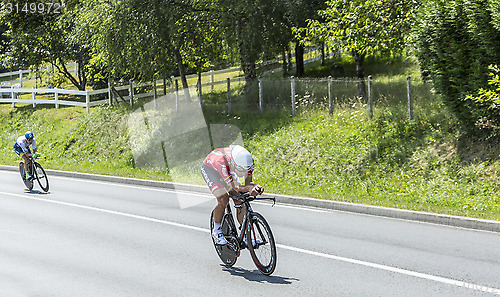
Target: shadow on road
x: 256, y: 276
x: 36, y: 192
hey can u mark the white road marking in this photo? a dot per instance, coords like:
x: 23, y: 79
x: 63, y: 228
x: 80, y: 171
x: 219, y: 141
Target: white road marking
x: 396, y: 270
x: 286, y: 247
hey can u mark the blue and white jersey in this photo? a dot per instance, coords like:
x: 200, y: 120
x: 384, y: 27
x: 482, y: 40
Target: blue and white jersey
x: 23, y: 143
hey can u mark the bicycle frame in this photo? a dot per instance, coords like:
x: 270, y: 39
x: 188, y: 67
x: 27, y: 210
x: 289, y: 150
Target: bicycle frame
x: 31, y: 164
x: 253, y: 233
x: 40, y: 176
x: 245, y: 201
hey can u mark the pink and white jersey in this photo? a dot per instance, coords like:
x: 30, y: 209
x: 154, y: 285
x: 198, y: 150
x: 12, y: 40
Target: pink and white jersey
x: 220, y: 160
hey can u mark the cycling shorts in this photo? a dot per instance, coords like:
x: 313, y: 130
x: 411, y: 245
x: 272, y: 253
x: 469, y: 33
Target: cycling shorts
x: 19, y: 150
x: 213, y: 179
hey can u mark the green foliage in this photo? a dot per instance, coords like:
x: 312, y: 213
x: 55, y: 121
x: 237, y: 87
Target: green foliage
x: 55, y: 80
x: 456, y: 41
x: 145, y: 40
x: 97, y: 72
x: 488, y: 101
x: 364, y: 26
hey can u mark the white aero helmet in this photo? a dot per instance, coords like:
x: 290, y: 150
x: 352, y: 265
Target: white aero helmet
x: 242, y: 159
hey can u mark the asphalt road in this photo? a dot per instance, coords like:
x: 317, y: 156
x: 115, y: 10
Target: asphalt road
x: 90, y: 238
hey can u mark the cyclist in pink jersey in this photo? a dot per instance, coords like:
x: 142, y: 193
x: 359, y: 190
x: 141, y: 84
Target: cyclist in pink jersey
x: 221, y: 170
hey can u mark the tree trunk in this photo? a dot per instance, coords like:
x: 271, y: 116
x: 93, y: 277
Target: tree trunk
x: 182, y: 73
x: 78, y: 83
x: 247, y: 56
x: 360, y: 72
x: 284, y: 64
x: 299, y: 59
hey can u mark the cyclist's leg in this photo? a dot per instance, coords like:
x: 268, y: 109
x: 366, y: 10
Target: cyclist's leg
x: 222, y: 201
x: 240, y: 212
x: 215, y: 184
x: 26, y: 159
x: 19, y: 152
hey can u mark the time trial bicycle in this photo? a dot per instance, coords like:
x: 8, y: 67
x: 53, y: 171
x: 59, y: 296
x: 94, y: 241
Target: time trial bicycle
x: 254, y: 233
x: 36, y: 172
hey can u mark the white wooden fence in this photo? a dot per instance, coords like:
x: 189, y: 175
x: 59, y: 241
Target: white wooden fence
x: 208, y: 79
x: 12, y: 97
x: 12, y: 94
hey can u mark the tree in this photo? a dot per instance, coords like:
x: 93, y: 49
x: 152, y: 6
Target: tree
x: 299, y: 11
x: 127, y: 36
x: 456, y: 41
x: 37, y: 38
x: 363, y: 27
x: 143, y: 40
x: 256, y: 27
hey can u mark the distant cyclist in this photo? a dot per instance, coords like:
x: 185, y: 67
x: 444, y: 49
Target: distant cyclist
x: 21, y: 147
x: 221, y: 170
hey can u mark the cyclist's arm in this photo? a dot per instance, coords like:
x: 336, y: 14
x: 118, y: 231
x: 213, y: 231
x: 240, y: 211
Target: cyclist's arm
x: 256, y: 189
x: 235, y: 185
x: 249, y: 186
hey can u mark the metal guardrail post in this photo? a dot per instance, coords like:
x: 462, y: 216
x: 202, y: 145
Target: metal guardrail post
x: 12, y: 96
x: 292, y: 83
x: 370, y: 99
x: 110, y: 93
x: 20, y: 78
x: 261, y: 99
x: 228, y: 96
x: 211, y: 80
x: 33, y: 96
x: 410, y: 103
x: 154, y: 93
x: 176, y: 95
x: 131, y: 93
x: 199, y: 92
x: 330, y: 104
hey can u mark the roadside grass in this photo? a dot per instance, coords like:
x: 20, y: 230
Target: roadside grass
x: 393, y: 163
x: 72, y: 140
x: 425, y: 164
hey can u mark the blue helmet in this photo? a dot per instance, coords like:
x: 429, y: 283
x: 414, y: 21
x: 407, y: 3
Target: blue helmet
x: 28, y: 135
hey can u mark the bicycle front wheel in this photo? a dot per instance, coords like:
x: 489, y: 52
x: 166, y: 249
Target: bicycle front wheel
x: 262, y: 247
x: 41, y: 177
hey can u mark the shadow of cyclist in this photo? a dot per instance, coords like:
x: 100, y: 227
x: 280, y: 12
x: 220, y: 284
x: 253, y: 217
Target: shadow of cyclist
x: 256, y: 276
x: 35, y: 192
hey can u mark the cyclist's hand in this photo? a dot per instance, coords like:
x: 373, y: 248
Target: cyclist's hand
x: 257, y: 190
x: 36, y: 155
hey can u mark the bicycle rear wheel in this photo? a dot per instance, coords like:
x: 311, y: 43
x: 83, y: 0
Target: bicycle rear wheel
x: 41, y: 177
x: 260, y: 241
x: 227, y: 253
x: 28, y: 183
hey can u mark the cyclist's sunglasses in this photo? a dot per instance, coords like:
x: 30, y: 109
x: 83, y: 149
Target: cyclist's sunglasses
x: 242, y: 169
